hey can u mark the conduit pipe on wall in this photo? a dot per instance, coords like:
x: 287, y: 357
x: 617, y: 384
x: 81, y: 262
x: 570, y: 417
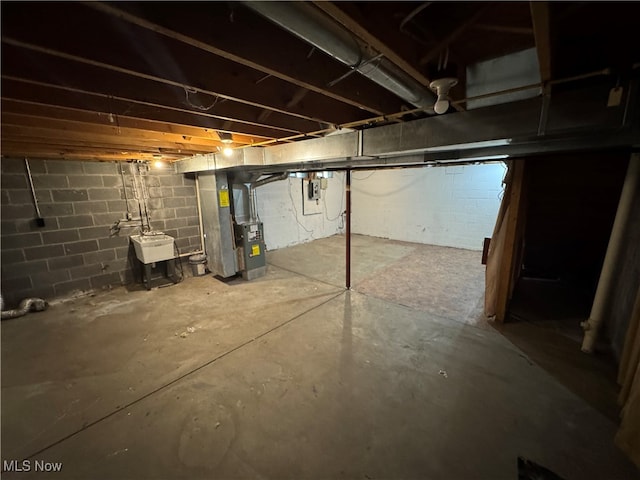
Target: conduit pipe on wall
x: 313, y: 26
x: 605, y: 283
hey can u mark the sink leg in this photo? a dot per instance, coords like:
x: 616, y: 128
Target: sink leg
x: 171, y: 270
x: 147, y: 275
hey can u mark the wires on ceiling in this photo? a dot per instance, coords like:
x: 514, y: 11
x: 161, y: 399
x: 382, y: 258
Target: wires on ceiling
x: 190, y: 90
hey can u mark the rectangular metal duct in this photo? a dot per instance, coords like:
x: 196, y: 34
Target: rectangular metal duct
x: 574, y: 120
x: 326, y: 148
x: 217, y: 224
x: 483, y: 125
x: 508, y: 71
x: 216, y: 161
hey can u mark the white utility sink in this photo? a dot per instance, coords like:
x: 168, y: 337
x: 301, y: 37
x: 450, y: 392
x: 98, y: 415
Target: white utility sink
x: 153, y: 248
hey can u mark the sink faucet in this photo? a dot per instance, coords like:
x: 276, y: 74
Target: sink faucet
x: 151, y: 233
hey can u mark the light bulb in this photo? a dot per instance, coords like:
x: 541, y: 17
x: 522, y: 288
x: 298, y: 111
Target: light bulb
x: 158, y: 164
x: 442, y: 105
x: 225, y: 137
x: 227, y: 152
x: 442, y: 86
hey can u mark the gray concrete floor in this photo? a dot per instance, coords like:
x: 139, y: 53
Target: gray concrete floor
x: 291, y: 376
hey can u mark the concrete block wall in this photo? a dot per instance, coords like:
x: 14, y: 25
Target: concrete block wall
x: 452, y: 206
x: 280, y: 209
x: 80, y: 201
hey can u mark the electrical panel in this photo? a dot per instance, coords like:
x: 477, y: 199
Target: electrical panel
x: 314, y: 189
x: 311, y: 205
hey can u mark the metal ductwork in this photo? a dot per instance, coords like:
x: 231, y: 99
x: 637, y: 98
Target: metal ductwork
x: 271, y: 179
x: 313, y: 26
x: 571, y: 121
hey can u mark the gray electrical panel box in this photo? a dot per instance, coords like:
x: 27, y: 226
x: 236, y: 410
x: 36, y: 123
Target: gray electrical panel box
x: 250, y: 248
x: 313, y: 191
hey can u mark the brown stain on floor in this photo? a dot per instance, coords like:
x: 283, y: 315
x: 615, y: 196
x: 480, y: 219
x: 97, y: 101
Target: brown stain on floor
x: 443, y: 281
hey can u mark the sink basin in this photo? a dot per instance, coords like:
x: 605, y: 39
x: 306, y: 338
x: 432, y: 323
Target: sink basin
x: 153, y: 248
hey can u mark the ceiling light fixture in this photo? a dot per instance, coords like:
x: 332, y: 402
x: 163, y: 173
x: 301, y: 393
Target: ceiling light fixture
x: 225, y: 137
x: 227, y: 151
x: 442, y: 86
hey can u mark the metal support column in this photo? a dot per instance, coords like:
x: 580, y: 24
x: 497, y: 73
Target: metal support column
x: 348, y: 221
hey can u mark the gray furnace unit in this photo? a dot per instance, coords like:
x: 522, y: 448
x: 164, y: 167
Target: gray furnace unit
x: 251, y: 256
x: 234, y: 236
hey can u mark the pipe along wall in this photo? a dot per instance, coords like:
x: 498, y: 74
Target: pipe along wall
x: 74, y: 252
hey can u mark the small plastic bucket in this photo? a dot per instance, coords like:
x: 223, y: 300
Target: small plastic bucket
x: 197, y: 263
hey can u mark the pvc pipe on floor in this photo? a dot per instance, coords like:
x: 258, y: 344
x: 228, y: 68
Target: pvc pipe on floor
x: 27, y: 305
x: 603, y: 292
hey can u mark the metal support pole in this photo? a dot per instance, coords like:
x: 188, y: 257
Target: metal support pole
x: 348, y: 220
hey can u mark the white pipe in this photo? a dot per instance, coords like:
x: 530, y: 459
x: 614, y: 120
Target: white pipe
x: 145, y: 195
x: 200, y: 216
x: 616, y: 240
x: 188, y: 254
x: 137, y: 194
x: 124, y: 189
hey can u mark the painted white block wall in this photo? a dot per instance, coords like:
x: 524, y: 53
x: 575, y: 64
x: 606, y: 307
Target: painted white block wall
x: 280, y: 209
x: 449, y: 206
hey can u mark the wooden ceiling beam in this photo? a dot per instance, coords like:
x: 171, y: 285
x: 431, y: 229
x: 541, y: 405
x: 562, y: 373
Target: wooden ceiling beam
x: 541, y: 32
x: 108, y: 88
x: 13, y: 113
x: 188, y: 40
x: 78, y: 147
x: 55, y: 136
x: 113, y: 42
x: 17, y: 149
x: 110, y: 100
x: 453, y: 36
x: 37, y: 142
x: 145, y: 76
x: 375, y: 43
x: 39, y: 111
x: 40, y: 93
x: 341, y: 17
